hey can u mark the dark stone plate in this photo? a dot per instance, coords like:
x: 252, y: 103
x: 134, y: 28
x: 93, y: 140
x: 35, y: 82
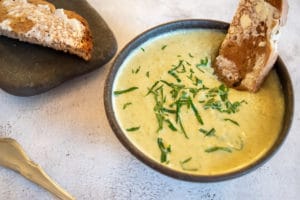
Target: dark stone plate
x: 193, y: 24
x: 27, y: 69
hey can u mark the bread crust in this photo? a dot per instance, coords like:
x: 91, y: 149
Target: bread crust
x: 39, y: 22
x: 250, y: 47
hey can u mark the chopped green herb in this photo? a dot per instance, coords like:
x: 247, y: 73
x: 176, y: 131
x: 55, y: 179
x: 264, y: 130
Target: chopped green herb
x: 195, y: 111
x: 164, y: 150
x: 178, y: 56
x: 148, y: 74
x: 152, y: 87
x: 172, y: 73
x: 203, y: 63
x: 191, y: 74
x: 143, y: 49
x: 194, y: 91
x: 160, y: 111
x: 186, y: 62
x: 185, y: 99
x: 179, y: 68
x: 176, y: 88
x: 182, y: 164
x: 232, y: 121
x: 223, y: 92
x: 135, y: 71
x: 213, y: 104
x: 169, y: 111
x: 186, y: 160
x: 209, y: 133
x: 160, y: 119
x: 170, y: 125
x: 126, y: 105
x: 163, y: 47
x: 190, y: 55
x: 182, y: 128
x: 233, y: 107
x: 223, y: 105
x: 200, y: 69
x: 133, y: 129
x: 197, y: 81
x: 125, y: 91
x: 218, y: 148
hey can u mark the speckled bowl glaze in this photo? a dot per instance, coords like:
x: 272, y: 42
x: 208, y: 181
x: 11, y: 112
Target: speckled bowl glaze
x: 192, y: 24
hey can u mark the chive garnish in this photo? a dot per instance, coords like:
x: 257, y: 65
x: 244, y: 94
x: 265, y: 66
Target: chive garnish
x: 223, y: 104
x: 143, y: 49
x: 148, y: 74
x: 136, y: 70
x: 163, y: 47
x: 182, y: 164
x: 172, y: 73
x: 170, y: 125
x: 168, y: 110
x: 133, y: 129
x: 183, y: 97
x: 125, y: 91
x: 218, y: 148
x: 182, y: 128
x: 190, y: 55
x: 209, y: 133
x: 191, y: 74
x: 179, y: 66
x: 176, y: 88
x: 152, y: 87
x: 164, y: 150
x: 186, y: 160
x: 126, y: 105
x: 232, y: 121
x: 196, y: 112
x: 160, y: 119
x: 189, y: 64
x: 203, y: 63
x: 194, y: 91
x: 200, y: 69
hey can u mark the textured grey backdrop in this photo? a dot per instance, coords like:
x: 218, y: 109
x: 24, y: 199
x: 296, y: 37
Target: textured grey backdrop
x: 67, y: 133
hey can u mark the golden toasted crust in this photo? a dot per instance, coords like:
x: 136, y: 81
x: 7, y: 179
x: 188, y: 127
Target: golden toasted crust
x: 87, y: 44
x: 250, y: 48
x: 39, y: 22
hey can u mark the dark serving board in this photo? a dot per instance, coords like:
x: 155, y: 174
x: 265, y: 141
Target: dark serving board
x: 27, y: 69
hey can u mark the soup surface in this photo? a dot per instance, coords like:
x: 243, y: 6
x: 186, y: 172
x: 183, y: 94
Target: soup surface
x: 172, y: 107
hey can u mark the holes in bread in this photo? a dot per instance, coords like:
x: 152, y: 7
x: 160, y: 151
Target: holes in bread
x: 234, y: 37
x: 261, y: 28
x: 237, y: 84
x: 276, y: 15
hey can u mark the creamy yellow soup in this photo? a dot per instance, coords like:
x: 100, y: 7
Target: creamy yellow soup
x: 172, y: 107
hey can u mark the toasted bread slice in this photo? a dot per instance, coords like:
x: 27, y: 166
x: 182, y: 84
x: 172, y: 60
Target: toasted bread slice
x: 250, y: 47
x: 39, y: 22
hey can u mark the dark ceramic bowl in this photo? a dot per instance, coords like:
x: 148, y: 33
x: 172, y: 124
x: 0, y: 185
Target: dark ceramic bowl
x: 192, y: 24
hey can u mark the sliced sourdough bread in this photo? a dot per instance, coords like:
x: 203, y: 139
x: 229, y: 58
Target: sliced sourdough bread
x: 39, y: 22
x: 250, y: 47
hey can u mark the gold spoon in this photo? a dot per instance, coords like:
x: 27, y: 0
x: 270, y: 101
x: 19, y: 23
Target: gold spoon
x: 13, y: 156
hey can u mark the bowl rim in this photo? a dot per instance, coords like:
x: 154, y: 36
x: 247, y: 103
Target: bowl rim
x: 280, y: 67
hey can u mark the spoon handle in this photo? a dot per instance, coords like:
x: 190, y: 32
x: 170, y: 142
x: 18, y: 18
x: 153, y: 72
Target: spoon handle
x: 13, y: 156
